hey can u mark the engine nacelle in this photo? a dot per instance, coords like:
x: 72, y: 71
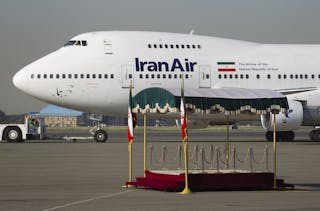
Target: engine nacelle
x: 292, y: 120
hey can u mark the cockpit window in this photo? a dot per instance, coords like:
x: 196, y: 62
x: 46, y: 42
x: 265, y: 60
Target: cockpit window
x: 76, y: 42
x: 70, y: 42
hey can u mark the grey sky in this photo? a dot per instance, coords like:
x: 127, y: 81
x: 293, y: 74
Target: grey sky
x: 30, y: 29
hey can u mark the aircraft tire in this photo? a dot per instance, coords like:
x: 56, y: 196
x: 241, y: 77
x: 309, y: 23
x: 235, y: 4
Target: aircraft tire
x: 269, y: 136
x: 100, y: 136
x: 13, y: 134
x: 288, y: 136
x: 315, y: 135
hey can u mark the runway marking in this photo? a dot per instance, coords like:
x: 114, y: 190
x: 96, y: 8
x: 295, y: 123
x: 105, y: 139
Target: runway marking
x: 87, y: 200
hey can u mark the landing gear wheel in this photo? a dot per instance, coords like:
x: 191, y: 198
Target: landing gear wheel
x: 269, y: 136
x: 280, y: 136
x: 315, y: 135
x: 13, y: 134
x: 100, y: 136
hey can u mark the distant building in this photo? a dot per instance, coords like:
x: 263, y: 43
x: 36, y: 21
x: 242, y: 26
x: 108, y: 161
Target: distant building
x: 56, y: 116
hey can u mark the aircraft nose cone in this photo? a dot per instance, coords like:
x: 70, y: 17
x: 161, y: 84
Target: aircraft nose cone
x: 20, y: 80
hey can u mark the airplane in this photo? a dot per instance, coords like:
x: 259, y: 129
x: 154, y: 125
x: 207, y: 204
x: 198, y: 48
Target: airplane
x: 92, y: 72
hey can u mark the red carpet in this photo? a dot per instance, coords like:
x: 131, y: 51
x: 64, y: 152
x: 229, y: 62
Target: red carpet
x: 202, y: 181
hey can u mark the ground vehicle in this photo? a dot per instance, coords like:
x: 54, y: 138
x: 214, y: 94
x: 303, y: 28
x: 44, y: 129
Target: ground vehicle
x: 33, y: 128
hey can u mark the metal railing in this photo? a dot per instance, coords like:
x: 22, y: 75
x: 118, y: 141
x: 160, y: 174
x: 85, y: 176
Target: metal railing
x: 212, y: 159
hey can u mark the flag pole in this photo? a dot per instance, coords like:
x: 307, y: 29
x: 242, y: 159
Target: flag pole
x: 184, y: 127
x: 144, y: 143
x: 130, y: 163
x: 130, y: 135
x: 274, y: 152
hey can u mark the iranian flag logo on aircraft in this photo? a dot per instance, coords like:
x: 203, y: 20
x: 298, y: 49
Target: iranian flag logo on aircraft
x: 226, y: 66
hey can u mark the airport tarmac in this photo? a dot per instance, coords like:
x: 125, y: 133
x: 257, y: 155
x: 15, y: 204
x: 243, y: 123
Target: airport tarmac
x: 62, y: 175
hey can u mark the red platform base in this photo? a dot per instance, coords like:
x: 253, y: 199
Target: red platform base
x: 205, y: 181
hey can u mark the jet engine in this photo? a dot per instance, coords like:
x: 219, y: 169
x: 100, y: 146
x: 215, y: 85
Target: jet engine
x: 285, y: 122
x: 291, y: 120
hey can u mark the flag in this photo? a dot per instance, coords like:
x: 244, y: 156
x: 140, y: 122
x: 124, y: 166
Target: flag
x: 226, y: 66
x: 183, y: 117
x: 130, y: 118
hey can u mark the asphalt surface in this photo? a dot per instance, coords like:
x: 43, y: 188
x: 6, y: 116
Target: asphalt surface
x: 63, y: 175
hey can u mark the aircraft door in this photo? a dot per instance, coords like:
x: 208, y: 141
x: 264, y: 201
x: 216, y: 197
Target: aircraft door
x: 107, y: 47
x: 127, y: 75
x: 204, y: 76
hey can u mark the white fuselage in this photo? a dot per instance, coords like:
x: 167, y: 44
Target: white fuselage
x: 95, y: 75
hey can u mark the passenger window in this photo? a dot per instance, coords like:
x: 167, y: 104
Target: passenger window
x: 140, y: 76
x: 111, y: 76
x: 63, y: 75
x: 199, y: 46
x: 188, y: 46
x: 105, y: 75
x: 166, y: 46
x: 45, y: 76
x: 268, y: 76
x: 32, y: 76
x: 93, y: 75
x: 82, y: 76
x: 130, y: 76
x: 163, y: 76
x: 160, y: 46
x: 230, y: 76
x: 75, y: 76
x: 39, y: 76
x: 51, y: 76
x: 225, y: 76
x: 193, y: 46
x: 219, y: 76
x: 258, y: 76
x: 99, y: 76
x: 57, y: 76
x: 187, y: 76
x: 69, y: 76
x: 149, y: 45
x: 175, y: 76
x: 171, y: 46
x: 247, y: 76
x: 241, y: 76
x: 152, y: 75
x: 155, y: 46
x: 182, y: 46
x: 177, y: 46
x: 147, y: 76
x: 236, y: 76
x: 88, y: 75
